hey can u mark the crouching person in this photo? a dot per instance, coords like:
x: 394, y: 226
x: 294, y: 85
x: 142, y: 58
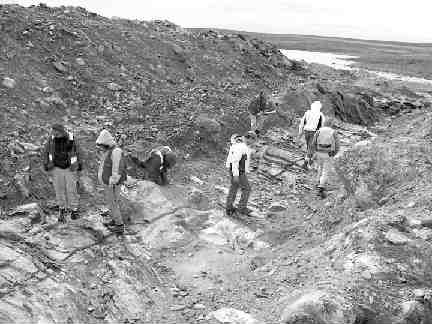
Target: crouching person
x: 325, y: 145
x: 160, y: 160
x: 238, y: 165
x: 62, y: 158
x: 112, y: 174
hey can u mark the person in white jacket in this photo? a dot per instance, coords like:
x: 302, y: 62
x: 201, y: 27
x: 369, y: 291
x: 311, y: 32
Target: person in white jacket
x: 238, y: 165
x: 312, y: 120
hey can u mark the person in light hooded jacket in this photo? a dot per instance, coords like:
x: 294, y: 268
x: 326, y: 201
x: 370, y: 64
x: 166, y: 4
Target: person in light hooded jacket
x: 312, y: 120
x: 112, y: 174
x: 238, y: 165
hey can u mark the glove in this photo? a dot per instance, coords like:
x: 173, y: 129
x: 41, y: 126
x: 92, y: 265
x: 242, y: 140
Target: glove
x: 79, y: 167
x: 332, y: 153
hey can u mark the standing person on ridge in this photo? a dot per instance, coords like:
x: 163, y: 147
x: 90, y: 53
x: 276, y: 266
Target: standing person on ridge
x: 257, y: 108
x: 238, y: 165
x: 112, y: 174
x: 312, y: 120
x: 62, y: 158
x: 325, y: 145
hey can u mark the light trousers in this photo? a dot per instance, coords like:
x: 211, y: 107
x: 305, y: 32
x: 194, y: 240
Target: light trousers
x: 65, y: 187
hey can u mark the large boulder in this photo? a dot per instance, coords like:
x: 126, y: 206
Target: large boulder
x: 147, y: 202
x: 318, y: 307
x: 354, y: 109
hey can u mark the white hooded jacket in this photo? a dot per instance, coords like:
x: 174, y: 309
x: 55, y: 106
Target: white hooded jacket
x: 236, y: 152
x: 105, y: 138
x: 311, y: 118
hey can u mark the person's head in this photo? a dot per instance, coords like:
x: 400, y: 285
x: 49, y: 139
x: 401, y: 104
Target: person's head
x: 316, y: 106
x: 105, y: 141
x: 236, y: 138
x: 59, y: 131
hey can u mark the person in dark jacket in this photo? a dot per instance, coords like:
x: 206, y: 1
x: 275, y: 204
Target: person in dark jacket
x: 257, y: 108
x: 160, y: 160
x: 62, y: 158
x: 238, y: 165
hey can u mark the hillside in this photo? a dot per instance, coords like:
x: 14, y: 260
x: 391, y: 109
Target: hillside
x: 411, y: 59
x: 361, y: 255
x: 152, y: 82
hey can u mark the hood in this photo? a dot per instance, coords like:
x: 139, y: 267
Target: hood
x: 316, y: 106
x: 105, y: 138
x: 236, y: 138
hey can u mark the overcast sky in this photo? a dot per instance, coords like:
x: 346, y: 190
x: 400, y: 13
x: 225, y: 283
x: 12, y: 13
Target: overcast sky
x: 368, y: 19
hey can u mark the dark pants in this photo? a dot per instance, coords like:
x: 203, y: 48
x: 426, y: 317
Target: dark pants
x: 242, y: 184
x: 309, y: 135
x: 154, y: 171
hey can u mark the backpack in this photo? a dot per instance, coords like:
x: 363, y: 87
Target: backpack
x: 325, y: 140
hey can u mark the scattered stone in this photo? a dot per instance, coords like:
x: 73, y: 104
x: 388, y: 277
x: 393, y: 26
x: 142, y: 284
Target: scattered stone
x: 233, y: 316
x: 9, y: 83
x: 224, y: 190
x: 318, y: 307
x: 196, y: 180
x: 176, y: 308
x: 60, y: 67
x: 80, y: 61
x: 396, y: 237
x: 423, y: 233
x: 114, y: 86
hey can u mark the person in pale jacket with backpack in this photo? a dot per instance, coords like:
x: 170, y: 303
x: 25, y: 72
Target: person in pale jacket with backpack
x: 312, y: 120
x: 112, y: 174
x: 324, y: 146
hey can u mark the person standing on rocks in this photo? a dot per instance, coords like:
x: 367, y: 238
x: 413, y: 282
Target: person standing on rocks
x: 112, y: 174
x: 238, y: 165
x: 257, y: 108
x: 324, y: 146
x: 62, y: 159
x: 311, y: 121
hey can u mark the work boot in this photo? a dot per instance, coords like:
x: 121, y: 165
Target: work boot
x: 321, y: 192
x: 245, y: 211
x: 230, y: 211
x: 74, y: 214
x: 62, y: 215
x: 110, y: 223
x: 118, y: 229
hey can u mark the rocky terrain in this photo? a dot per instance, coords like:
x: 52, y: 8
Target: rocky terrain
x: 359, y: 256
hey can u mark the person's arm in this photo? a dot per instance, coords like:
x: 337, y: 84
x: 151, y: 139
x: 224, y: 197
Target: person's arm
x: 115, y: 175
x: 337, y: 143
x: 45, y: 155
x: 78, y: 153
x: 302, y: 124
x: 323, y: 120
x: 247, y: 162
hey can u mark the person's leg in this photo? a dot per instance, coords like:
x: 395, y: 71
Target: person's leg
x: 319, y: 166
x: 259, y: 124
x: 325, y: 168
x: 164, y: 177
x: 112, y: 196
x: 309, y: 135
x: 246, y: 189
x: 231, y: 196
x: 59, y: 182
x: 253, y: 121
x: 71, y: 192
